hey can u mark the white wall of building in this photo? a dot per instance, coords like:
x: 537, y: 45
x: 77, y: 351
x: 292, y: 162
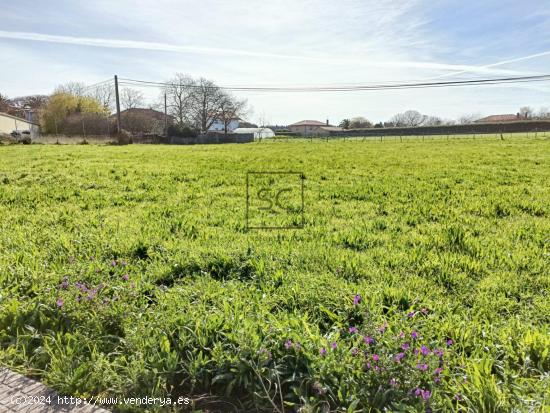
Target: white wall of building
x: 9, y: 123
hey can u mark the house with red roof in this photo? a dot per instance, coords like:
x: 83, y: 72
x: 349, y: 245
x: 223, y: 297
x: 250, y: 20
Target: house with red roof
x: 501, y: 118
x: 313, y: 128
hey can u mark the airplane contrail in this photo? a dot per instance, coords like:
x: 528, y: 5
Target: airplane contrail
x: 174, y: 48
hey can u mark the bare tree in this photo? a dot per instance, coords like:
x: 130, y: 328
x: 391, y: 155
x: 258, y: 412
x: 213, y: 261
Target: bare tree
x: 131, y: 98
x: 4, y: 103
x: 410, y: 118
x: 526, y: 112
x: 206, y: 99
x: 263, y: 121
x: 433, y: 121
x: 231, y: 109
x: 179, y: 97
x: 72, y: 88
x: 468, y: 118
x: 104, y: 94
x: 543, y: 113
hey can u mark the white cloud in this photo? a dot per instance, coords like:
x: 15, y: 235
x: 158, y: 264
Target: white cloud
x: 278, y: 42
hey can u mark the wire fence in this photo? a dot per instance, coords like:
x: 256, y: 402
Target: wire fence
x: 409, y: 138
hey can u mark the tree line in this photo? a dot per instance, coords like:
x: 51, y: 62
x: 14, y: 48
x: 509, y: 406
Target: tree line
x: 192, y: 105
x: 413, y: 118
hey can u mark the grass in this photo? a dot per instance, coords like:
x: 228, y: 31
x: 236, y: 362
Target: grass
x: 129, y: 271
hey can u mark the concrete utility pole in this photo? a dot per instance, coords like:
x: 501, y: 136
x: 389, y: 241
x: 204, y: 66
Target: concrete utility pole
x: 118, y: 123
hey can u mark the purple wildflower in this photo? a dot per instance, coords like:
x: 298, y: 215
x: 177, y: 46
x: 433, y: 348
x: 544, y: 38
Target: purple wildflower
x: 353, y: 330
x: 401, y: 335
x: 393, y: 382
x: 414, y: 335
x: 113, y: 263
x: 368, y: 340
x: 405, y: 346
x: 449, y: 342
x: 438, y: 370
x: 357, y: 299
x: 422, y: 366
x: 333, y: 345
x: 399, y: 356
x: 438, y: 352
x: 354, y: 351
x: 323, y: 351
x: 288, y: 344
x: 458, y: 397
x: 375, y: 357
x: 437, y: 380
x: 424, y: 350
x: 65, y: 283
x: 59, y: 302
x: 125, y: 277
x: 425, y: 394
x: 411, y: 314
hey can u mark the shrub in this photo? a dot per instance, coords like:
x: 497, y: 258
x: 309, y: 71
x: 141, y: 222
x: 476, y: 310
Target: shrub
x: 179, y: 131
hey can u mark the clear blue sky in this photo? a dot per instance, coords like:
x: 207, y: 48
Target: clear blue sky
x: 288, y: 42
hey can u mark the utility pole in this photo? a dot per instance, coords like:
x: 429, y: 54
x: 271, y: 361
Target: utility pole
x: 118, y: 123
x: 165, y: 116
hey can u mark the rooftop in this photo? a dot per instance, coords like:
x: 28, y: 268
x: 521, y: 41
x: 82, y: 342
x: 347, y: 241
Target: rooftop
x: 500, y: 118
x: 309, y: 123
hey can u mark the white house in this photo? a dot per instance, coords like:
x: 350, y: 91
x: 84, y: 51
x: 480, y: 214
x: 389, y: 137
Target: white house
x: 218, y: 126
x: 9, y: 124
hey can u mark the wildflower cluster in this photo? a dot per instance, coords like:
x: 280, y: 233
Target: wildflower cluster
x: 390, y: 359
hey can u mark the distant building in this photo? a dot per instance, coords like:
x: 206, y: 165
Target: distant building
x: 501, y: 118
x: 143, y: 120
x: 313, y: 128
x: 10, y: 123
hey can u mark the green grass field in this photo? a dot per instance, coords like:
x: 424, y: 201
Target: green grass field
x: 419, y: 282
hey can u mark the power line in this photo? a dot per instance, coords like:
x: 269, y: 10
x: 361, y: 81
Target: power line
x: 98, y: 84
x: 353, y: 88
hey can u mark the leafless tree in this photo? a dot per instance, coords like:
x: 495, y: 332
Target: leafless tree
x: 72, y: 88
x: 543, y: 113
x: 4, y: 103
x: 131, y: 98
x: 104, y: 94
x: 526, y: 112
x: 263, y: 123
x: 410, y: 118
x: 179, y: 96
x: 468, y: 118
x: 230, y: 108
x: 433, y: 121
x: 206, y: 99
